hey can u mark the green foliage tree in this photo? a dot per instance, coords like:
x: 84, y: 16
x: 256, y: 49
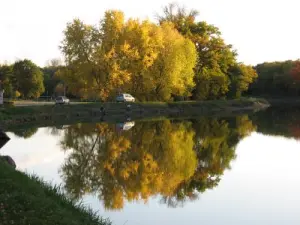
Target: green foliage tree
x: 6, y: 76
x: 277, y: 79
x: 50, y: 80
x: 26, y: 133
x: 28, y: 79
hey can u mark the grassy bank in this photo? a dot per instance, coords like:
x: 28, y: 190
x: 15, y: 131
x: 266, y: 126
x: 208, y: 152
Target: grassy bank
x: 278, y: 101
x: 55, y: 114
x: 27, y: 200
x: 284, y: 102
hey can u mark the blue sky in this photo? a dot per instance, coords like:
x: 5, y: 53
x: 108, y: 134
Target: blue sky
x: 260, y: 30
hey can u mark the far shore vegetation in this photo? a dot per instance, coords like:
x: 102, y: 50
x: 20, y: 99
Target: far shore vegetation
x: 177, y: 57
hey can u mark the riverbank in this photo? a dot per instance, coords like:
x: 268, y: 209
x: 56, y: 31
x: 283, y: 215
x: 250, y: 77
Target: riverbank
x: 284, y: 102
x: 47, y: 115
x: 28, y: 200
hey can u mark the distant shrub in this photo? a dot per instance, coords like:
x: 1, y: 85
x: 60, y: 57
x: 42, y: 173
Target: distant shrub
x: 8, y: 102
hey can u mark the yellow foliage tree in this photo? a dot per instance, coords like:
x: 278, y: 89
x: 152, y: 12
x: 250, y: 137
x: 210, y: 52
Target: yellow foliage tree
x: 151, y: 61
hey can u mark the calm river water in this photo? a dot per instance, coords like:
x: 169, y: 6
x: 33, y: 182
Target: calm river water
x: 241, y: 170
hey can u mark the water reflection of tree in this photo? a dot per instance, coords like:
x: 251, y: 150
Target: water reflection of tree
x: 175, y: 160
x: 283, y: 121
x: 215, y: 143
x: 25, y: 133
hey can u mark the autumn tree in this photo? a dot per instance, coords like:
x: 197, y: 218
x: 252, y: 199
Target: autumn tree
x: 294, y: 75
x: 59, y: 89
x: 241, y: 77
x: 54, y: 63
x: 179, y: 16
x: 213, y: 77
x: 173, y: 70
x: 50, y: 80
x: 295, y: 71
x: 153, y: 62
x: 28, y: 79
x: 276, y: 79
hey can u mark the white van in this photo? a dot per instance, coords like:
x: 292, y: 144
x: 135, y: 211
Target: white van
x: 125, y: 98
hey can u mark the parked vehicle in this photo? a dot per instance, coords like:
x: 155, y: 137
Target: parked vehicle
x: 125, y: 125
x: 125, y: 98
x: 62, y: 100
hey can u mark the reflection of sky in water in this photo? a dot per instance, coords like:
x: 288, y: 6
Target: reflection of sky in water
x: 261, y: 188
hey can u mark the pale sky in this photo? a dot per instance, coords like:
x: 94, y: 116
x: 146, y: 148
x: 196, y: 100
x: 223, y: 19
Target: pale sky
x: 260, y: 30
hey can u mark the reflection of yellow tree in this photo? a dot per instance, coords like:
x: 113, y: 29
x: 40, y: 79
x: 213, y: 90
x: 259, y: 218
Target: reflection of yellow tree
x: 215, y: 142
x: 244, y: 126
x: 159, y: 160
x: 171, y: 159
x: 153, y: 158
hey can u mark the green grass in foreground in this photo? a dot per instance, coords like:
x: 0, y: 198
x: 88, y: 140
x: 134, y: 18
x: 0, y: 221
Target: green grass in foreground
x: 27, y: 200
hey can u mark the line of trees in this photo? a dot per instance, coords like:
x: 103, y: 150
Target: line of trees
x: 23, y: 78
x: 277, y: 79
x: 26, y: 80
x: 176, y: 57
